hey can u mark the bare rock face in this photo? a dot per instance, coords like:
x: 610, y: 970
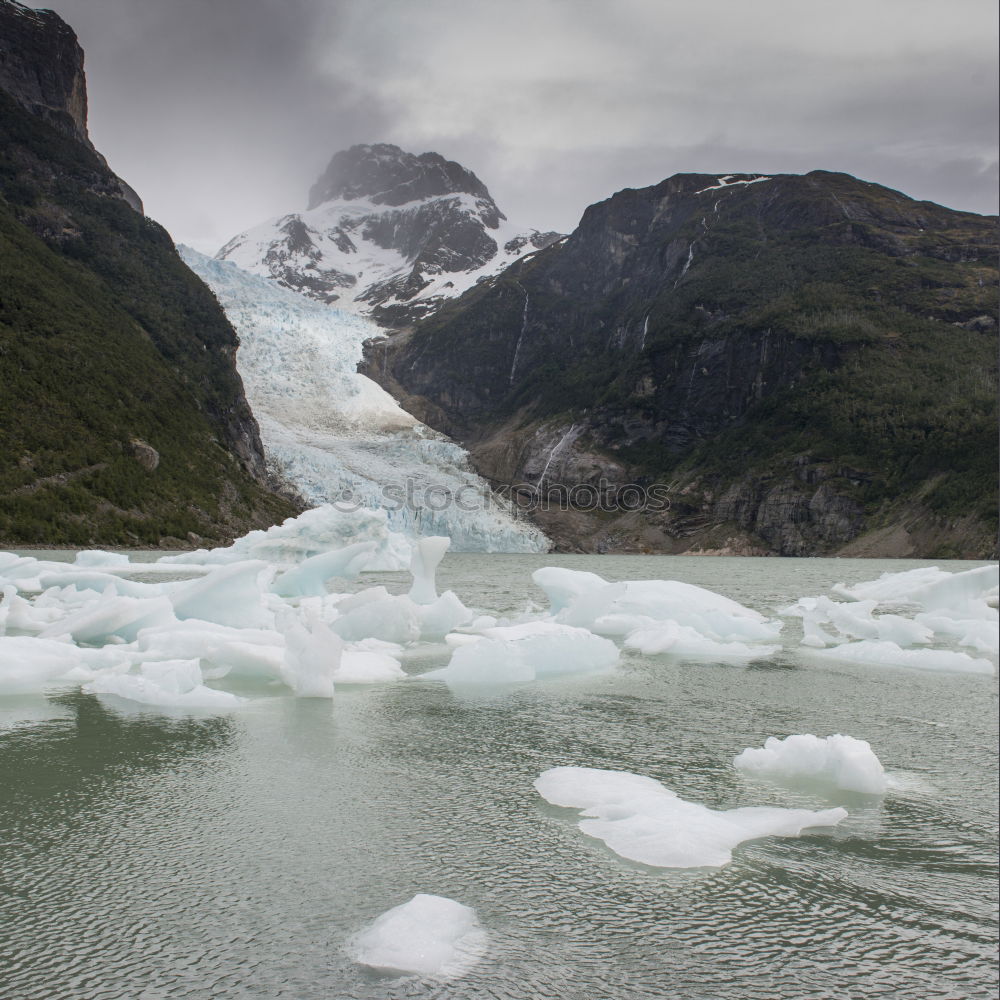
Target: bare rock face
x: 707, y: 332
x: 145, y: 454
x: 41, y: 67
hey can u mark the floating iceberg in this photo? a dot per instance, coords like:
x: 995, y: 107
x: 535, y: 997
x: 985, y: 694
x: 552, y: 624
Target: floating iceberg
x: 427, y: 555
x: 840, y: 761
x: 234, y: 595
x: 309, y: 577
x: 429, y: 936
x: 312, y: 657
x: 682, y: 640
x: 531, y: 651
x: 641, y: 820
x: 617, y: 609
x: 31, y: 664
x: 928, y: 587
x: 888, y: 654
x: 108, y: 617
x: 854, y: 620
x: 165, y: 684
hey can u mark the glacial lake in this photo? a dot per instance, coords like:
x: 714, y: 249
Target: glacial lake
x: 149, y: 855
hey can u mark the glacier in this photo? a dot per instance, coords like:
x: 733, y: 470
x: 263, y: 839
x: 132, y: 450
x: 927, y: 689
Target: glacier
x: 339, y: 438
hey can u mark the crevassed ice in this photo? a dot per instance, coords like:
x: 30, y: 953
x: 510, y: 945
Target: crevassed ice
x: 338, y: 436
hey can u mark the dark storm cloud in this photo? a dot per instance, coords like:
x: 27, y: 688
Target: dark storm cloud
x: 222, y: 112
x: 216, y: 110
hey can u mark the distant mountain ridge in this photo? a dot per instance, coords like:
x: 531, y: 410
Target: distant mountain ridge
x: 808, y: 361
x: 388, y: 234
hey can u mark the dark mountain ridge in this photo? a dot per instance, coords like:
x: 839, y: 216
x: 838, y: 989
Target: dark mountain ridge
x: 808, y: 361
x: 122, y: 418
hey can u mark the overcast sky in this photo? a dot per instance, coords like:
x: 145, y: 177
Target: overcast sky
x: 221, y: 113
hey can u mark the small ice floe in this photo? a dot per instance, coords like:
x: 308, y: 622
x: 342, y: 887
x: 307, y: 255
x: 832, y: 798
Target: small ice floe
x: 888, y: 654
x: 643, y: 821
x: 854, y: 620
x: 234, y: 595
x: 837, y: 761
x: 529, y: 651
x: 429, y: 936
x: 929, y: 587
x: 164, y: 684
x: 682, y: 640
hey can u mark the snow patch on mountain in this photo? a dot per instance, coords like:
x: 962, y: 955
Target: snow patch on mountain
x: 336, y: 435
x: 387, y: 234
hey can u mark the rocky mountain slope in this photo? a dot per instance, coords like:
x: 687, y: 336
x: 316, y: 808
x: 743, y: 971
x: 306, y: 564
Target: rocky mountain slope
x: 122, y: 417
x: 807, y: 364
x: 387, y: 233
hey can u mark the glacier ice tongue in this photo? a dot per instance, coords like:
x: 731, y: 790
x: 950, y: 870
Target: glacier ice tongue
x: 643, y: 821
x: 338, y: 437
x: 429, y: 936
x: 839, y: 761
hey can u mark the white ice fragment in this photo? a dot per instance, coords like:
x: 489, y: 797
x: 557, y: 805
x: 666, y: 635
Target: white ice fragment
x: 107, y: 617
x: 85, y: 578
x: 230, y: 595
x: 391, y: 619
x: 980, y: 634
x: 427, y: 554
x: 437, y: 619
x: 888, y: 654
x: 620, y: 608
x: 308, y: 579
x: 165, y: 684
x: 31, y: 664
x: 928, y: 586
x: 312, y: 657
x: 527, y: 652
x: 364, y: 666
x: 840, y: 761
x: 681, y: 640
x: 563, y: 586
x: 429, y: 936
x: 258, y: 653
x: 98, y: 557
x: 641, y: 820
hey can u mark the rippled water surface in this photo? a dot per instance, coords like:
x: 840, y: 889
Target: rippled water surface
x: 148, y: 856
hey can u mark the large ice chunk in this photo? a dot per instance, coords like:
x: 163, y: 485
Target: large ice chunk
x: 855, y: 620
x: 562, y: 586
x: 840, y: 761
x: 530, y: 651
x: 429, y: 936
x: 929, y: 587
x: 391, y: 619
x: 640, y: 819
x: 616, y: 609
x: 257, y: 653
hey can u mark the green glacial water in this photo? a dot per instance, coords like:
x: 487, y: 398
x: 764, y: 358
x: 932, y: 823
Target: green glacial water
x: 149, y: 855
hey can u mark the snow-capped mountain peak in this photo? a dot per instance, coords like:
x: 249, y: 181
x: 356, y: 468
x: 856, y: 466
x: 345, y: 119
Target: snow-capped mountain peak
x: 388, y: 234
